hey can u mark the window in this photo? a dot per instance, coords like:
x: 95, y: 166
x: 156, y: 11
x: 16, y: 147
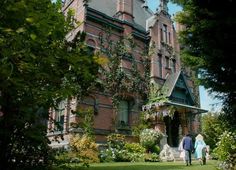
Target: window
x: 167, y: 62
x: 160, y: 65
x: 161, y: 33
x: 60, y: 116
x: 169, y: 38
x: 123, y: 112
x: 165, y: 33
x: 173, y: 66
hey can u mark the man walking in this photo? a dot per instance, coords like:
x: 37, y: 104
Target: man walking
x: 188, y: 147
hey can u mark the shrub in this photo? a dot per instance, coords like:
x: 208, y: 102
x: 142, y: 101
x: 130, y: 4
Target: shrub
x: 226, y: 150
x: 116, y: 141
x: 107, y: 155
x: 149, y: 138
x: 66, y: 157
x: 85, y: 148
x: 119, y: 151
x: 155, y: 149
x: 152, y: 157
x: 212, y: 128
x: 134, y: 148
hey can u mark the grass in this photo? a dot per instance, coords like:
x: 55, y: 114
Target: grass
x: 179, y: 165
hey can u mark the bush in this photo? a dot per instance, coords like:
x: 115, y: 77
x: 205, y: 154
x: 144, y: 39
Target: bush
x: 116, y: 141
x: 149, y: 138
x: 119, y: 151
x: 66, y: 157
x: 226, y: 150
x: 85, y: 148
x: 212, y: 128
x: 156, y: 149
x: 107, y: 155
x: 152, y: 157
x: 134, y: 148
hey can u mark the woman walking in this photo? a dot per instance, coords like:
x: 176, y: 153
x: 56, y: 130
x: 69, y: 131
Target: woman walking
x: 200, y: 149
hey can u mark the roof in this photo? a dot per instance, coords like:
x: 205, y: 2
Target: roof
x: 108, y: 7
x: 171, y: 81
x: 193, y: 108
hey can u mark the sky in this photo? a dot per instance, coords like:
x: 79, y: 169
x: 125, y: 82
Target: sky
x: 207, y: 101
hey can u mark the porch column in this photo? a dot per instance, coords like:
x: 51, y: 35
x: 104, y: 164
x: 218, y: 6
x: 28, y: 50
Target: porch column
x: 161, y: 127
x: 184, y: 123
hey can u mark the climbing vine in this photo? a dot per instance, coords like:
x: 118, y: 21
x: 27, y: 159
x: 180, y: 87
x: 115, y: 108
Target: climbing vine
x: 117, y: 80
x: 168, y: 48
x: 156, y: 105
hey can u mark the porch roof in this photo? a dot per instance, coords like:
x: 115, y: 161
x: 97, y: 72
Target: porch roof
x: 192, y: 108
x: 186, y: 107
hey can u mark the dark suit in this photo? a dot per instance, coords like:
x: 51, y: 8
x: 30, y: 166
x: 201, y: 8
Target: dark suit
x: 188, y: 147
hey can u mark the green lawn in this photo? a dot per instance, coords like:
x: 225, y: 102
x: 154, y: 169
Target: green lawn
x: 211, y: 165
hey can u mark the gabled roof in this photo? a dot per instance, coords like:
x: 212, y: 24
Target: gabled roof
x: 108, y: 7
x: 171, y: 81
x: 153, y: 19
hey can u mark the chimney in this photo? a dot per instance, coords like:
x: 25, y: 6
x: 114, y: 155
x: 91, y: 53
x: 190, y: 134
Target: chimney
x: 125, y: 10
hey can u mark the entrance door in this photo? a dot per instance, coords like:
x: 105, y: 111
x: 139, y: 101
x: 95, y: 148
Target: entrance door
x: 172, y: 129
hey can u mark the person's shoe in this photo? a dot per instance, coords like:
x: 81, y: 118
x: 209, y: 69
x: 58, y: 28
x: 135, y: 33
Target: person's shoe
x: 201, y: 162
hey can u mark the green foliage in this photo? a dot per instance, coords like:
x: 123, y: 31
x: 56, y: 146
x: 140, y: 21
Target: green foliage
x: 226, y: 150
x: 212, y: 128
x: 156, y: 99
x: 38, y: 69
x: 86, y: 122
x: 84, y: 148
x: 63, y: 157
x: 208, y: 44
x: 134, y: 148
x: 116, y: 141
x: 152, y: 157
x: 157, y: 94
x: 115, y: 151
x: 140, y: 124
x: 149, y: 138
x: 156, y: 149
x: 119, y: 81
x: 107, y: 155
x: 134, y: 156
x: 120, y: 151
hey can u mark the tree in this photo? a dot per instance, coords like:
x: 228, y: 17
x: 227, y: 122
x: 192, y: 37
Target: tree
x: 212, y: 127
x: 38, y: 68
x: 208, y: 45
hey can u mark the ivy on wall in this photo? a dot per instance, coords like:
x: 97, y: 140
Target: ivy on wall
x: 120, y: 82
x: 156, y: 106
